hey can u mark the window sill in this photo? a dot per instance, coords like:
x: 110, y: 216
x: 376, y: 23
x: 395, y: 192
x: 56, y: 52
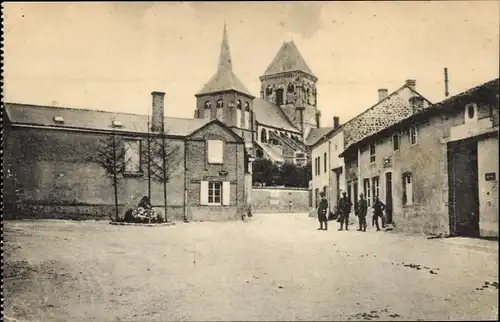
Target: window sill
x: 133, y: 174
x: 215, y: 163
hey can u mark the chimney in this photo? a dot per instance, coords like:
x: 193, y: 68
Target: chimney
x: 446, y: 93
x: 158, y: 111
x: 411, y: 83
x: 336, y: 122
x: 382, y: 93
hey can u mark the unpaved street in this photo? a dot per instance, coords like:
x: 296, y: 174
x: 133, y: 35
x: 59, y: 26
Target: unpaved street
x: 275, y: 267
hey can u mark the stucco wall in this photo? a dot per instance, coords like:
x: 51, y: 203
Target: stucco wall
x: 487, y: 151
x: 427, y: 162
x: 278, y: 200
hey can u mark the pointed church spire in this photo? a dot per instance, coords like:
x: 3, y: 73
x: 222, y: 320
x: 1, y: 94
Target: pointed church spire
x: 224, y: 79
x: 225, y: 63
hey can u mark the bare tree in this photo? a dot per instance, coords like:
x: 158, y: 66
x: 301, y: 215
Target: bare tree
x: 163, y: 158
x: 110, y: 153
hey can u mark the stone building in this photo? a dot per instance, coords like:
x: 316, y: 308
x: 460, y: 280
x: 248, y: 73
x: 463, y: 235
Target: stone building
x: 328, y: 174
x: 437, y: 168
x: 47, y: 149
x: 364, y: 158
x: 274, y: 125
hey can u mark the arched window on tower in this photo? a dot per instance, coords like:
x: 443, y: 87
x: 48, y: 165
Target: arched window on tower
x: 220, y: 110
x: 207, y: 107
x: 246, y: 116
x: 291, y: 88
x: 269, y: 90
x: 238, y: 113
x: 263, y: 136
x: 308, y: 95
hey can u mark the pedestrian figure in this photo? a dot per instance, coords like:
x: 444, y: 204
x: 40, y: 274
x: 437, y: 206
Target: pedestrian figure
x: 378, y: 211
x: 361, y: 212
x: 322, y: 212
x: 345, y: 208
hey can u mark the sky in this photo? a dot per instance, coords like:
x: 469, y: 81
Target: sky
x: 111, y: 56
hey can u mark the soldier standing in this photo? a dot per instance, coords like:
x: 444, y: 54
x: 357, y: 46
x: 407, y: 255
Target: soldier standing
x: 361, y: 212
x: 322, y: 212
x: 345, y: 209
x: 378, y: 211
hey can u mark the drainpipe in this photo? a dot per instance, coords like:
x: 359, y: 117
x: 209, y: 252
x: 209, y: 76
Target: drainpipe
x: 185, y: 181
x: 329, y: 175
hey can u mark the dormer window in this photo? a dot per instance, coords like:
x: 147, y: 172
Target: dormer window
x: 117, y: 124
x: 58, y: 119
x: 470, y: 113
x: 220, y: 104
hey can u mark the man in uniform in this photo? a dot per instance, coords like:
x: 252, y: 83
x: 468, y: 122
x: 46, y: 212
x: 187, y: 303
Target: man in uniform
x: 378, y: 211
x: 322, y: 212
x: 345, y: 209
x: 361, y: 212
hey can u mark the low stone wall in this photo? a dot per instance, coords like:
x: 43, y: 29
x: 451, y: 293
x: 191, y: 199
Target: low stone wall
x: 80, y: 211
x: 280, y: 200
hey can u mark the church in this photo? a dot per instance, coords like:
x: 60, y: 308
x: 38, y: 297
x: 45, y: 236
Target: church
x: 276, y: 124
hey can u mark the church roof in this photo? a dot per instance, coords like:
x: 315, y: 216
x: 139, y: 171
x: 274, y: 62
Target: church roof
x: 224, y: 79
x: 272, y: 115
x: 288, y: 59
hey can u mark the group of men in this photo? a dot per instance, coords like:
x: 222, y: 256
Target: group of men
x: 344, y: 208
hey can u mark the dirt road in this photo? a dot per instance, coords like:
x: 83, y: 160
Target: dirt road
x: 275, y: 267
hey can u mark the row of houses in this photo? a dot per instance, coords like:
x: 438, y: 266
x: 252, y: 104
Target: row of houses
x: 435, y: 166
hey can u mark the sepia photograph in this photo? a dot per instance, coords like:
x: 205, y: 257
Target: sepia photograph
x: 250, y: 161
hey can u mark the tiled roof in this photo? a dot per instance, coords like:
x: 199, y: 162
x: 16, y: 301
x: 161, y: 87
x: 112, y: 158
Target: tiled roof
x: 391, y: 110
x: 94, y: 120
x: 288, y: 59
x: 269, y: 114
x: 224, y: 79
x: 315, y: 134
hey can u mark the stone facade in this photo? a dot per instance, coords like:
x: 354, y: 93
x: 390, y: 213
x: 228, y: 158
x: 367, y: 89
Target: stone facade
x: 410, y: 161
x: 298, y: 98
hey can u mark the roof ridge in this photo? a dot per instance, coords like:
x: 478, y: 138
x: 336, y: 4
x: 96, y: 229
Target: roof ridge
x: 72, y: 108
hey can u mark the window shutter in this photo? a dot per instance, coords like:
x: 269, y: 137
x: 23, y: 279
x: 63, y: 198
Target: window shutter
x: 226, y: 193
x: 204, y: 193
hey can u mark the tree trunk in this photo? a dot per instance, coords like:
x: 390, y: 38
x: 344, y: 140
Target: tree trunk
x: 149, y: 164
x: 115, y: 185
x: 165, y: 175
x: 115, y: 179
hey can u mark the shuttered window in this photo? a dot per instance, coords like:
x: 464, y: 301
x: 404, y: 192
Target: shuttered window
x: 215, y: 193
x: 226, y: 193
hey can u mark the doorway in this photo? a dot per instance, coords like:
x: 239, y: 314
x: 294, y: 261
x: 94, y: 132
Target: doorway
x: 388, y: 196
x: 463, y: 188
x: 355, y: 193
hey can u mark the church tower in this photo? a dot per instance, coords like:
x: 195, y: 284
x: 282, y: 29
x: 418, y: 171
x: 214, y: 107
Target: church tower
x: 226, y: 98
x: 289, y: 83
